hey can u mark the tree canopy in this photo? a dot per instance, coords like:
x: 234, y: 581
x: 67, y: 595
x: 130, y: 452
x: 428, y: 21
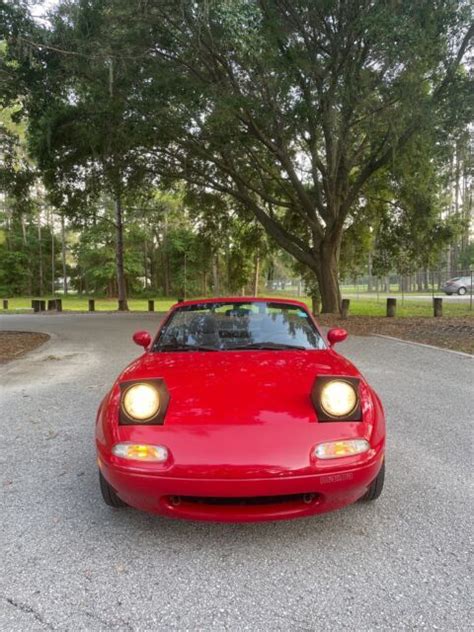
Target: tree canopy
x: 291, y: 108
x: 296, y: 113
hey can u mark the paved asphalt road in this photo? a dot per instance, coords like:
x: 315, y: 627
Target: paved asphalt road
x: 68, y: 562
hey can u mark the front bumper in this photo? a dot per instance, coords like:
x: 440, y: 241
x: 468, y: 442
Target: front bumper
x: 246, y: 499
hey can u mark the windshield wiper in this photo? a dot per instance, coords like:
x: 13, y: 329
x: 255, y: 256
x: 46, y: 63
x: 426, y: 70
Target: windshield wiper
x: 171, y: 346
x: 268, y: 345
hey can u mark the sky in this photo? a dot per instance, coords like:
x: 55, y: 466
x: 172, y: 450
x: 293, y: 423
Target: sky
x: 39, y: 9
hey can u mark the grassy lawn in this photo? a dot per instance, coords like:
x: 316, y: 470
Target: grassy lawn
x: 363, y: 306
x: 411, y: 308
x: 77, y: 303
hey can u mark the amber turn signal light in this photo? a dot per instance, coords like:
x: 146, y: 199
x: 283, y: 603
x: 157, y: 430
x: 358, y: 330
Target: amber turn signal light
x: 141, y: 452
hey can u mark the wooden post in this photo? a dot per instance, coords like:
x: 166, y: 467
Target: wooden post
x: 59, y: 304
x: 5, y: 303
x: 92, y: 305
x: 391, y: 307
x: 35, y: 305
x: 437, y: 307
x: 151, y: 305
x: 345, y: 304
x: 42, y: 305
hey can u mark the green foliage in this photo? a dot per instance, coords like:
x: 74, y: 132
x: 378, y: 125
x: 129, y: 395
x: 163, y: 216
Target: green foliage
x: 329, y: 124
x: 410, y: 232
x: 25, y: 261
x: 466, y: 258
x: 14, y: 272
x: 356, y: 245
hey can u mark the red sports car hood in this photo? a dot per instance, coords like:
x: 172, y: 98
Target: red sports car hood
x: 241, y: 387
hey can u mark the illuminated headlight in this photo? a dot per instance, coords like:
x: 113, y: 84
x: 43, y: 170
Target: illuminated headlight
x: 141, y: 452
x: 338, y: 449
x: 141, y: 402
x: 338, y: 398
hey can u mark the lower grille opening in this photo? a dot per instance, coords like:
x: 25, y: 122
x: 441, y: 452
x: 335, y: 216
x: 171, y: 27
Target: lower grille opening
x: 245, y: 501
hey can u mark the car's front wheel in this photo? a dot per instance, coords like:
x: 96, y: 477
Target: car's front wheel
x: 376, y: 486
x: 109, y: 495
x: 462, y: 291
x: 449, y: 293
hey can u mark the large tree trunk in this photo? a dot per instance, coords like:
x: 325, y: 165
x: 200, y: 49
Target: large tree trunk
x: 121, y: 287
x: 322, y: 258
x: 326, y: 272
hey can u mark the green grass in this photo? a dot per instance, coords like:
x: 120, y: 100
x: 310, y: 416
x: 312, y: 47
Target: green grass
x: 365, y: 306
x: 368, y: 306
x: 409, y: 309
x: 76, y: 303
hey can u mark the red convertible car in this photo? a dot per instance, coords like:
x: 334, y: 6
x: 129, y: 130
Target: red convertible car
x: 239, y: 410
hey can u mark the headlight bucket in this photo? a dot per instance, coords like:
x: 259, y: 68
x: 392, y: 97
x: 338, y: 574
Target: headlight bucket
x: 321, y: 390
x: 158, y: 412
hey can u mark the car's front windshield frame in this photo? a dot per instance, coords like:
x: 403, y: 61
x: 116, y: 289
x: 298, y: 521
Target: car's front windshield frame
x: 302, y: 333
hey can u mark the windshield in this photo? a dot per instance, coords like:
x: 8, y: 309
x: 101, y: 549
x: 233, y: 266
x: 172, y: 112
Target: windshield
x: 235, y: 326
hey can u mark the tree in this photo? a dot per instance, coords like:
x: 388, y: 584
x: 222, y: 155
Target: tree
x: 20, y: 251
x: 408, y: 207
x: 82, y: 128
x: 293, y: 107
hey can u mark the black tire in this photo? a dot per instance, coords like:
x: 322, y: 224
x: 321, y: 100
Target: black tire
x: 376, y: 486
x: 462, y: 291
x: 449, y: 293
x: 108, y: 494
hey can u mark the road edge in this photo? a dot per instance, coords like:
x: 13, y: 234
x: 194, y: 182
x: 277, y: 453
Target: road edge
x: 422, y: 344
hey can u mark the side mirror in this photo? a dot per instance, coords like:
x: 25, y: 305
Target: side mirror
x: 142, y: 338
x: 336, y: 335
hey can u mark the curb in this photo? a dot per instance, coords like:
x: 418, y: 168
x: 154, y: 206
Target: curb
x: 422, y: 344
